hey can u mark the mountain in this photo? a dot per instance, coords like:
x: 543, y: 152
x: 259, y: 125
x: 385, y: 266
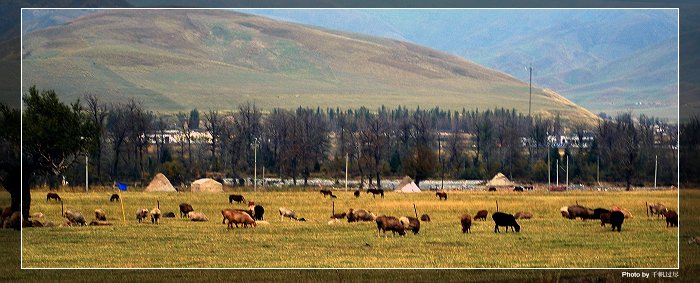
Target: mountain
x: 175, y: 60
x: 558, y: 44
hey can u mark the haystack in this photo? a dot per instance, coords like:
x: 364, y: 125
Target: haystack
x: 160, y: 183
x: 499, y: 180
x: 407, y: 186
x: 207, y: 185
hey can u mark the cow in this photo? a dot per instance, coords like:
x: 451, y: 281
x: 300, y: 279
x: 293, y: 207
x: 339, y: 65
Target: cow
x: 357, y: 194
x: 114, y: 197
x: 518, y: 189
x: 504, y: 219
x: 258, y: 212
x: 389, y: 223
x: 236, y: 198
x: 598, y: 211
x: 425, y: 218
x: 577, y: 211
x: 523, y: 215
x: 492, y: 189
x: 481, y: 214
x: 466, y: 221
x: 53, y: 196
x: 185, y: 208
x: 671, y: 218
x: 616, y: 220
x: 604, y: 219
x: 441, y: 195
x: 410, y: 223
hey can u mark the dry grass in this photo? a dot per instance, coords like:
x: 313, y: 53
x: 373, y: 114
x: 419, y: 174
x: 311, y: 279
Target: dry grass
x: 181, y: 243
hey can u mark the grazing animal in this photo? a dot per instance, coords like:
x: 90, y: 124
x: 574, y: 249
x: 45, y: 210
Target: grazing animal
x: 339, y: 215
x: 75, y: 217
x: 564, y: 211
x: 523, y: 215
x: 237, y: 217
x: 604, y: 219
x: 598, y: 211
x: 37, y: 215
x: 357, y: 194
x: 658, y: 209
x: 258, y: 212
x: 410, y: 223
x: 114, y: 197
x: 694, y: 240
x: 141, y: 214
x: 333, y: 221
x: 334, y: 196
x: 425, y: 218
x: 284, y: 212
x: 518, y: 189
x: 624, y: 211
x: 481, y: 214
x: 389, y: 223
x: 53, y: 196
x: 466, y: 221
x: 99, y: 223
x: 155, y: 215
x: 504, y: 219
x: 671, y: 218
x: 236, y: 198
x: 361, y: 215
x: 169, y: 214
x: 100, y: 215
x: 441, y: 195
x: 376, y: 192
x: 325, y: 192
x: 197, y: 216
x: 14, y: 221
x: 37, y: 223
x: 616, y: 220
x: 185, y: 208
x: 580, y: 211
x: 492, y: 189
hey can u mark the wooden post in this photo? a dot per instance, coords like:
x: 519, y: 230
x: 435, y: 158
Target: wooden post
x: 63, y: 214
x: 158, y: 201
x: 496, y: 205
x: 646, y: 204
x: 415, y: 210
x: 333, y: 209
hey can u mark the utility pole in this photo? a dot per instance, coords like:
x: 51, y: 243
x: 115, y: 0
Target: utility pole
x: 255, y: 166
x: 529, y: 108
x: 442, y: 166
x: 86, y: 173
x: 567, y: 170
x: 656, y: 165
x: 549, y: 170
x: 346, y: 171
x: 598, y: 171
x: 557, y: 173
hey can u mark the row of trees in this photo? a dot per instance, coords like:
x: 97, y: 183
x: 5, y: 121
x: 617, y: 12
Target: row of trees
x: 129, y: 144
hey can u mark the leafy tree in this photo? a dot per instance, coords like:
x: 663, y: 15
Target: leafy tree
x: 10, y: 157
x: 421, y: 163
x: 194, y: 119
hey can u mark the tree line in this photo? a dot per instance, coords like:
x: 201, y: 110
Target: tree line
x: 126, y: 142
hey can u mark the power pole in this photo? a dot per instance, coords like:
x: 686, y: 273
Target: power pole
x: 86, y: 173
x: 529, y: 108
x: 346, y: 171
x: 656, y: 166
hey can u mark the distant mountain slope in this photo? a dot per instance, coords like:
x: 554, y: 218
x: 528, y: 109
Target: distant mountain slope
x: 180, y: 59
x: 556, y: 42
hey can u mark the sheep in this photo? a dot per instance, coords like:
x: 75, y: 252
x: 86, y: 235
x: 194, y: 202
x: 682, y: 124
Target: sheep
x: 114, y: 197
x: 523, y: 215
x: 580, y: 211
x: 155, y: 215
x: 389, y: 223
x: 504, y: 219
x: 284, y: 212
x: 197, y: 216
x: 410, y: 223
x: 37, y: 215
x: 339, y: 215
x: 236, y: 198
x: 100, y: 215
x: 356, y: 194
x: 169, y: 214
x: 14, y: 221
x: 671, y: 218
x: 223, y: 211
x: 481, y: 214
x: 425, y: 218
x: 237, y: 217
x: 37, y: 223
x: 466, y: 221
x: 694, y: 240
x: 141, y: 214
x: 53, y: 196
x: 441, y: 195
x: 333, y: 221
x: 185, y: 208
x: 658, y: 209
x: 99, y: 223
x: 74, y: 217
x: 564, y: 211
x: 616, y: 220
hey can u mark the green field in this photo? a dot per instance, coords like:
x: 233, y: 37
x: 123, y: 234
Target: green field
x: 547, y: 240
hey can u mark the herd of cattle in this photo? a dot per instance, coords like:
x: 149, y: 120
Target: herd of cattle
x: 254, y: 215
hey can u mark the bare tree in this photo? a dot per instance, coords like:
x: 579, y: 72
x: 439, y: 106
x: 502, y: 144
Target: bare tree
x: 98, y: 113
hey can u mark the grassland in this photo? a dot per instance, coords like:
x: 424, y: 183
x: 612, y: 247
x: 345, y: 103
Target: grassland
x: 547, y: 240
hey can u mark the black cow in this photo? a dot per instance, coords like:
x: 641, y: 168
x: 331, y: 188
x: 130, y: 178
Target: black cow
x: 114, y: 197
x: 236, y: 198
x: 616, y: 219
x: 504, y: 219
x: 53, y: 196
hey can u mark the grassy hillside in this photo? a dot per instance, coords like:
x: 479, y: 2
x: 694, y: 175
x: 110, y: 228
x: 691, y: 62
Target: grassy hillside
x: 178, y: 60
